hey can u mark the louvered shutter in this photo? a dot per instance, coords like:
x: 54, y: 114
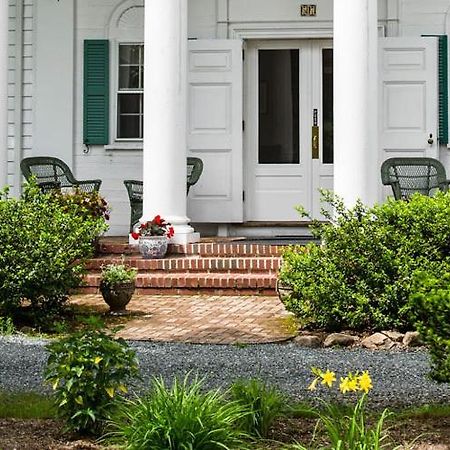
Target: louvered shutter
x: 96, y: 92
x: 443, y: 89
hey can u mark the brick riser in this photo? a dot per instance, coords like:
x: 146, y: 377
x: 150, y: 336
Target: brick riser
x: 192, y: 264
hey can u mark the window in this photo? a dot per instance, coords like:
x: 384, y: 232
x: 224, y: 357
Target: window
x: 130, y: 94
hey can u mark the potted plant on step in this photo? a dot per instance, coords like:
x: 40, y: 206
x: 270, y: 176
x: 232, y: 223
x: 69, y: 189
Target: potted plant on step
x: 153, y: 237
x: 117, y: 286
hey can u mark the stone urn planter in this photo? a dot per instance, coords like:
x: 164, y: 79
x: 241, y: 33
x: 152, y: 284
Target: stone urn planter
x: 153, y: 247
x: 117, y: 287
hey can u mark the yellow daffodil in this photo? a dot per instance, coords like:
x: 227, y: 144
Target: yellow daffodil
x: 328, y: 378
x: 365, y: 382
x: 344, y: 385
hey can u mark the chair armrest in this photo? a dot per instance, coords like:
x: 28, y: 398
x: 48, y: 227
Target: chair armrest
x: 48, y: 186
x: 94, y: 183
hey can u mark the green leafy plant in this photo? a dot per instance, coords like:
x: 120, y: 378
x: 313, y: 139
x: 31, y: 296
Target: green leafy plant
x: 88, y: 372
x: 43, y: 247
x: 264, y: 405
x: 360, y: 276
x: 180, y: 417
x: 430, y: 302
x: 114, y: 274
x: 349, y: 431
x: 7, y: 326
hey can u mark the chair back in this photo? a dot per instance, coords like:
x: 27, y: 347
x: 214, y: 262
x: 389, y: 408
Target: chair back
x: 407, y: 176
x: 194, y: 170
x: 47, y: 171
x: 135, y: 189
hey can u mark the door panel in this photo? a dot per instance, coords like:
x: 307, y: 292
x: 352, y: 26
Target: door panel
x: 215, y: 129
x: 408, y: 98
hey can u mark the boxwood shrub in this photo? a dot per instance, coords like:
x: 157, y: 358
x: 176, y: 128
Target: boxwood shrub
x: 359, y: 277
x: 43, y: 245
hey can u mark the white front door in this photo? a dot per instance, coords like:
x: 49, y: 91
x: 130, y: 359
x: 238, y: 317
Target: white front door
x: 289, y: 133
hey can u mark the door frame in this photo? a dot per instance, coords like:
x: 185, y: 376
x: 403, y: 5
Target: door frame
x: 310, y: 75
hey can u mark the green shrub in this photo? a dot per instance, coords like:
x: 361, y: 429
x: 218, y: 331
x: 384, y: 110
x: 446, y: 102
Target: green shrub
x: 360, y: 277
x: 430, y: 302
x: 180, y: 417
x: 7, y: 326
x: 264, y: 405
x: 88, y: 372
x: 43, y: 246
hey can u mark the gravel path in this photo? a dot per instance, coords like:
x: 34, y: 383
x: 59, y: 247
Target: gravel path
x: 400, y: 377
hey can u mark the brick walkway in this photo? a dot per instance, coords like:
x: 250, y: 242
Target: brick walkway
x: 202, y: 319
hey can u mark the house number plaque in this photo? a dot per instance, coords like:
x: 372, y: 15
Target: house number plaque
x: 308, y: 10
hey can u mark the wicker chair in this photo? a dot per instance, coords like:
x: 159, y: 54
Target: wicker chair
x: 407, y: 176
x: 135, y: 188
x: 52, y: 173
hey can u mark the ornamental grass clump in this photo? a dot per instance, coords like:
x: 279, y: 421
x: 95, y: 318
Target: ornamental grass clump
x: 180, y: 417
x: 349, y: 431
x: 263, y: 403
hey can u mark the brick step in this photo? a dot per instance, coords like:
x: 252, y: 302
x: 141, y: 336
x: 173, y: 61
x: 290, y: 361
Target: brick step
x: 203, y: 282
x: 201, y: 249
x: 191, y: 263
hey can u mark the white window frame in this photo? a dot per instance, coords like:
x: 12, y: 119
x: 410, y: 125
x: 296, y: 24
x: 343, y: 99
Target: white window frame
x: 116, y: 92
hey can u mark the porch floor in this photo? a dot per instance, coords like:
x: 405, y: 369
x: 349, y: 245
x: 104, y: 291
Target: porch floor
x: 201, y: 319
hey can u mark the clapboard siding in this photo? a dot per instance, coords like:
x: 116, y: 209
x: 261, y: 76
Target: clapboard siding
x: 20, y: 140
x: 418, y: 17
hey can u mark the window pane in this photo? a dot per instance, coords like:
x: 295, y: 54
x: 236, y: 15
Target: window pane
x: 327, y: 107
x: 279, y: 107
x: 129, y: 103
x: 129, y: 77
x: 130, y: 116
x: 129, y: 54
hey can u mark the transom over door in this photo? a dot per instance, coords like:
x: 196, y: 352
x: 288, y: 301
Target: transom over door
x: 289, y: 139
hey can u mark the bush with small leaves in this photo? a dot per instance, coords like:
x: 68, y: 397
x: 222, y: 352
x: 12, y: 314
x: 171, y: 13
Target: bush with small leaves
x: 360, y: 276
x: 180, y: 417
x: 88, y: 372
x: 430, y: 301
x: 43, y: 247
x: 264, y: 405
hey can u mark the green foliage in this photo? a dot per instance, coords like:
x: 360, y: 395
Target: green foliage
x: 360, y: 277
x: 114, y: 274
x: 180, y: 417
x: 430, y: 302
x: 88, y: 372
x: 7, y: 326
x: 263, y: 404
x: 26, y: 405
x: 43, y: 246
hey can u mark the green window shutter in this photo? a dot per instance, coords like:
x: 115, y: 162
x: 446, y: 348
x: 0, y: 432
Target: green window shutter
x: 96, y: 92
x: 443, y: 86
x: 443, y: 89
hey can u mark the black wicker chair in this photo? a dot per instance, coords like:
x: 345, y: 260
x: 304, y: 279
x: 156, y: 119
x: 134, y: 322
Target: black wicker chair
x: 135, y: 188
x: 407, y: 176
x: 52, y: 173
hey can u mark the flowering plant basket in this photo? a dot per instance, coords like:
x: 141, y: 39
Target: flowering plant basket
x: 156, y: 227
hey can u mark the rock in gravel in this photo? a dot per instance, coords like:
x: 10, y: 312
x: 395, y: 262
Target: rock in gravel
x: 394, y: 335
x: 377, y: 341
x: 412, y: 339
x: 340, y: 339
x: 310, y: 341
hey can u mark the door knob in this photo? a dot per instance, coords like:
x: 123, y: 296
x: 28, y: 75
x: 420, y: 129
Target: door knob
x: 431, y: 140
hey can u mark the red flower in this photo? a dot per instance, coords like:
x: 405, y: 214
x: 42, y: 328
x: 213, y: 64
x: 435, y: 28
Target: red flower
x: 157, y: 220
x: 170, y: 232
x: 135, y: 236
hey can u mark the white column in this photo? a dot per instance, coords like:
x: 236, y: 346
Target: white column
x: 3, y: 93
x: 356, y: 171
x: 165, y: 112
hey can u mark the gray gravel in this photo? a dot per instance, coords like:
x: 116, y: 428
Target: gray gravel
x: 400, y: 377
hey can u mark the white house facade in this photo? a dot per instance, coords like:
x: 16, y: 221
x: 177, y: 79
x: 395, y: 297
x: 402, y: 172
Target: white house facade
x: 279, y: 98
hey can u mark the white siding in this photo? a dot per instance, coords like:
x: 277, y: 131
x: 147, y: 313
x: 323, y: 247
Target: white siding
x: 419, y: 17
x: 20, y: 139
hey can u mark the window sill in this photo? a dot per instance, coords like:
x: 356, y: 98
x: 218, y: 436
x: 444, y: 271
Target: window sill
x: 125, y: 146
